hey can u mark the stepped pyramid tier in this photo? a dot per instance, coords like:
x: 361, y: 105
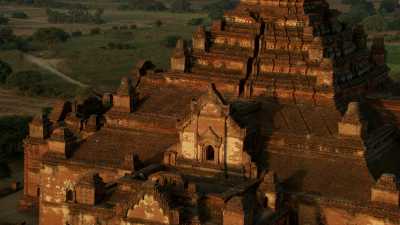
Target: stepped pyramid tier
x: 287, y: 48
x: 274, y: 115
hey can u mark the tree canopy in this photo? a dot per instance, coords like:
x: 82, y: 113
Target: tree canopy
x: 181, y: 6
x: 5, y: 71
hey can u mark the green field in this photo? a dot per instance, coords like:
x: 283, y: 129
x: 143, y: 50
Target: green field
x: 85, y: 59
x: 393, y: 60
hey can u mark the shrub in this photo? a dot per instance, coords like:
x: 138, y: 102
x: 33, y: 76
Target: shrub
x: 7, y: 38
x: 158, y: 23
x: 389, y: 5
x: 77, y: 33
x: 3, y: 20
x: 181, y: 6
x: 14, y: 130
x: 216, y: 10
x: 195, y: 22
x: 374, y: 23
x: 170, y: 41
x: 95, y: 31
x: 4, y: 170
x: 394, y: 24
x: 358, y: 13
x: 50, y: 35
x: 27, y: 82
x: 19, y: 15
x: 5, y: 71
x: 148, y: 5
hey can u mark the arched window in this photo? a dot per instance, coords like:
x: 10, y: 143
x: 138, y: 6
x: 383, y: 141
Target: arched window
x: 210, y: 153
x: 70, y: 196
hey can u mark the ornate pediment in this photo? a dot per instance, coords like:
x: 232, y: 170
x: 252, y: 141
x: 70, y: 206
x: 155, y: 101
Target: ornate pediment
x: 211, y: 103
x: 210, y: 137
x: 150, y: 209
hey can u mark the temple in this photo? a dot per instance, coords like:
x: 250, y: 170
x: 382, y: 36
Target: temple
x: 276, y: 114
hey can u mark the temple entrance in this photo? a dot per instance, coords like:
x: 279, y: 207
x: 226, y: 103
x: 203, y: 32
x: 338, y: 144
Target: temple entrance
x: 210, y: 153
x: 70, y: 196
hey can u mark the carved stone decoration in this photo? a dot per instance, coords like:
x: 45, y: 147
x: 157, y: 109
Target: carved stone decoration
x: 386, y: 190
x: 353, y: 123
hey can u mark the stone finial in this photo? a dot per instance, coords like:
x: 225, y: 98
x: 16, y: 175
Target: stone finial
x: 124, y: 100
x: 386, y: 190
x: 352, y: 123
x: 126, y: 87
x: 39, y: 127
x: 199, y: 39
x: 268, y: 194
x: 62, y: 142
x: 179, y: 57
x: 352, y: 114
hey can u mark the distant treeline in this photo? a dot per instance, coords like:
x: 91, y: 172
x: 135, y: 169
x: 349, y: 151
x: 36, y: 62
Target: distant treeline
x: 75, y: 14
x: 215, y: 9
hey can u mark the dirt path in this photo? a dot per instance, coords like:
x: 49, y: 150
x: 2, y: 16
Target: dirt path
x: 45, y: 65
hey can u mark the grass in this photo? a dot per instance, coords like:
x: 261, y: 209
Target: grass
x: 86, y: 60
x: 16, y: 61
x: 393, y: 60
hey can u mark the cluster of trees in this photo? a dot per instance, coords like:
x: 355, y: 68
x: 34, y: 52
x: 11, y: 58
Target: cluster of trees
x: 363, y: 11
x: 148, y: 5
x: 3, y: 20
x: 19, y: 15
x: 26, y: 82
x: 50, y: 35
x: 14, y: 130
x: 77, y: 13
x: 216, y: 10
x: 119, y: 46
x: 8, y: 40
x: 40, y: 3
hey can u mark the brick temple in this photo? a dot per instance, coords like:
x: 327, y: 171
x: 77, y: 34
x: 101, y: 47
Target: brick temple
x: 277, y: 114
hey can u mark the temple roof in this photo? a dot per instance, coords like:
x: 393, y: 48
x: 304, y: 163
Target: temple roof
x: 108, y: 147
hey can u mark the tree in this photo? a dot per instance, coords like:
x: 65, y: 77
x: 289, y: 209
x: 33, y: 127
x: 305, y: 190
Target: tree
x: 180, y: 6
x: 6, y: 36
x: 158, y: 23
x: 389, y: 5
x: 3, y: 20
x: 358, y: 12
x: 374, y: 23
x: 170, y: 41
x: 27, y: 82
x: 19, y: 15
x: 5, y: 71
x: 14, y: 130
x: 216, y: 10
x: 148, y: 5
x: 50, y: 35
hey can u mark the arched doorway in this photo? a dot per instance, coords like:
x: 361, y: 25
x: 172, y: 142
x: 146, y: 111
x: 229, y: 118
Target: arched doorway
x: 210, y: 153
x: 70, y: 196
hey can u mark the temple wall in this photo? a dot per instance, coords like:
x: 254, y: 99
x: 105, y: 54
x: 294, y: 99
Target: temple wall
x: 54, y: 214
x: 32, y: 164
x: 234, y: 151
x: 188, y: 145
x: 55, y: 181
x: 335, y: 216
